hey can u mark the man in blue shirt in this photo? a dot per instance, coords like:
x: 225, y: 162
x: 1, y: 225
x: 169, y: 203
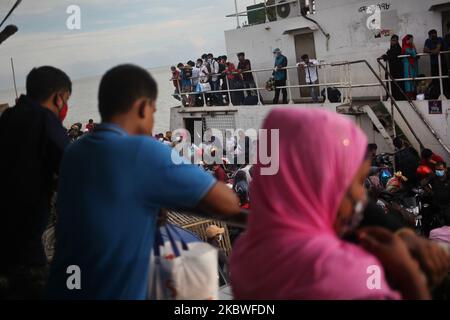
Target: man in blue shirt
x: 280, y: 76
x: 434, y: 45
x: 113, y: 184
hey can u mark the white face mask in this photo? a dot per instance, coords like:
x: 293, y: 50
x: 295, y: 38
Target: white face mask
x: 357, y: 217
x: 219, y: 238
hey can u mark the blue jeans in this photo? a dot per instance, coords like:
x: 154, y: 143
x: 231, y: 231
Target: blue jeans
x: 313, y: 92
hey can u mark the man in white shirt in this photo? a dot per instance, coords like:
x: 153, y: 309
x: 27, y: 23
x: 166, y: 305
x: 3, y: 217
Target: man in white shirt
x: 215, y: 81
x: 310, y: 67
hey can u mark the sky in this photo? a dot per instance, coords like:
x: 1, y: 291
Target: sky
x: 149, y: 33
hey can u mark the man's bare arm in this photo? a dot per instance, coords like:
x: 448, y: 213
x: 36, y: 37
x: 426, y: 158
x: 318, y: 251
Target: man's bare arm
x: 220, y: 201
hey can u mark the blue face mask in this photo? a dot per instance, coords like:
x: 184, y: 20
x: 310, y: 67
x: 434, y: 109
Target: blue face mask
x: 440, y: 173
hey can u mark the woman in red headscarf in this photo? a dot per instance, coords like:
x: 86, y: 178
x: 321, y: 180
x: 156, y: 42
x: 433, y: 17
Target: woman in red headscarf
x: 410, y: 64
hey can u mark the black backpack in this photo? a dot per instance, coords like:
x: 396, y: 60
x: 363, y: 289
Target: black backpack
x: 334, y: 95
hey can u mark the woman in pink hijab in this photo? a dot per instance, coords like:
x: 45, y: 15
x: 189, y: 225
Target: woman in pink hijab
x: 292, y: 248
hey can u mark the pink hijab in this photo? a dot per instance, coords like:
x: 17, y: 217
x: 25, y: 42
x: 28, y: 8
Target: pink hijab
x: 290, y: 249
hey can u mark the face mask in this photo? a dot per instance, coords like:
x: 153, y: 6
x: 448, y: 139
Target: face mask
x: 440, y: 173
x: 219, y: 238
x: 63, y: 112
x: 357, y: 216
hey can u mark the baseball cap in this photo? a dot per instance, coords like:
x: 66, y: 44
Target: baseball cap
x: 213, y: 231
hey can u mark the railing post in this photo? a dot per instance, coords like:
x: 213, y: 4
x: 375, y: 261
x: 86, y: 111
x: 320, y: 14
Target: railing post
x: 350, y: 91
x: 441, y: 82
x: 205, y: 103
x: 179, y: 92
x: 228, y: 91
x: 341, y: 80
x: 388, y: 68
x: 265, y: 9
x: 381, y: 77
x: 325, y: 78
x: 257, y: 88
x: 289, y: 86
x: 347, y: 83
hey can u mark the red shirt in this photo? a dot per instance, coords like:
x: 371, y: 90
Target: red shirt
x: 435, y: 158
x: 220, y: 174
x: 176, y: 78
x: 90, y: 127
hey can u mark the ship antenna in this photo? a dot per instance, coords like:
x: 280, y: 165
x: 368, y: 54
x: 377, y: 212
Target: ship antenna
x: 14, y: 77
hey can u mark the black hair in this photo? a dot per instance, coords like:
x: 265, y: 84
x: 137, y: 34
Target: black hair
x: 372, y: 147
x: 121, y: 86
x: 305, y: 56
x: 45, y: 81
x: 241, y: 54
x: 224, y: 57
x: 395, y: 37
x: 180, y: 65
x: 398, y: 142
x: 204, y: 56
x: 440, y: 163
x: 426, y: 154
x: 432, y: 31
x: 199, y: 60
x: 191, y: 63
x: 91, y: 120
x: 210, y: 55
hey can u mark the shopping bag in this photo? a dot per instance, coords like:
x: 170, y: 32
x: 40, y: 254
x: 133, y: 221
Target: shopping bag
x: 181, y: 271
x: 205, y: 86
x: 198, y: 88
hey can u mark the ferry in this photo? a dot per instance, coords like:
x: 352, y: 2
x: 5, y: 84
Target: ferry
x: 348, y: 38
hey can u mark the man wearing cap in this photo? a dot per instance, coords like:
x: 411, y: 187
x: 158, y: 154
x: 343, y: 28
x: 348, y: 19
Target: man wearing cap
x: 280, y: 76
x: 215, y: 235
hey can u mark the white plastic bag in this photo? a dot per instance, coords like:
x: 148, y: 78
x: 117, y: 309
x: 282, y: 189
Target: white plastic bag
x: 179, y: 274
x: 205, y: 86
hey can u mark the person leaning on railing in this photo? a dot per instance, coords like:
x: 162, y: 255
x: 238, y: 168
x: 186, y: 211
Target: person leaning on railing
x: 434, y: 45
x: 410, y: 65
x: 280, y: 76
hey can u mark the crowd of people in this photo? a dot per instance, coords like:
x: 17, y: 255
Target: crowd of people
x: 408, y: 67
x: 76, y: 131
x: 311, y: 233
x: 214, y: 74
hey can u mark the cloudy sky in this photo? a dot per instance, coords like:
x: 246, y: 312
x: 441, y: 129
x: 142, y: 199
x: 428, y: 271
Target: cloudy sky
x: 150, y: 33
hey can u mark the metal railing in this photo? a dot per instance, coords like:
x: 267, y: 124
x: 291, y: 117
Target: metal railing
x: 396, y: 82
x: 239, y: 220
x: 345, y: 82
